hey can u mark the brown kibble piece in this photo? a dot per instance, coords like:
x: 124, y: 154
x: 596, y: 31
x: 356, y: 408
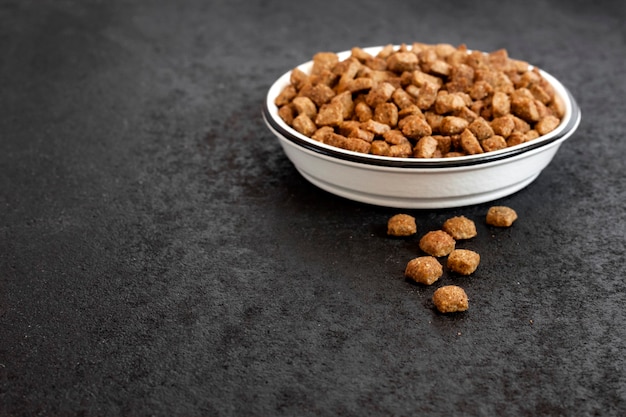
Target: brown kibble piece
x: 440, y: 68
x: 448, y: 103
x: 460, y: 227
x: 425, y: 147
x: 286, y: 113
x: 303, y: 124
x: 348, y: 127
x: 322, y: 133
x: 347, y: 69
x: 358, y: 84
x: 467, y: 114
x: 305, y: 105
x: 531, y: 134
x: 501, y: 216
x: 437, y: 243
x: 411, y: 110
x: 363, y: 135
x: 386, y: 113
x: 352, y: 129
x: 415, y: 127
x: 350, y: 144
x: 401, y: 225
x: 481, y: 129
x: 453, y: 154
x: 434, y: 120
x: 395, y: 137
x: 286, y: 95
x: 330, y: 114
x: 528, y: 79
x: 381, y: 148
x: 320, y: 94
x: 385, y: 51
x: 540, y: 93
x: 469, y: 143
x: 427, y: 56
x: 424, y: 270
x: 557, y: 105
x: 402, y: 61
x: 419, y: 78
x: 360, y: 54
x: 402, y: 98
x: 458, y: 57
x: 480, y: 107
x: 521, y: 126
x: 452, y: 125
x: 384, y: 76
x: 480, y: 90
x: 543, y: 110
x: 463, y: 261
x: 401, y: 150
x: 375, y: 127
x: 525, y: 108
x: 450, y: 299
x: 515, y: 138
x: 363, y: 112
x: 503, y: 125
x: 379, y: 94
x: 500, y: 104
x: 298, y: 78
x: 499, y: 81
x: 326, y: 77
x: 461, y: 71
x: 345, y: 100
x: 547, y: 124
x: 493, y: 143
x: 444, y: 143
x: 426, y: 95
x: 323, y: 60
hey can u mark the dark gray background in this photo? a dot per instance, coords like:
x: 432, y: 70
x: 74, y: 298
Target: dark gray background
x: 160, y: 256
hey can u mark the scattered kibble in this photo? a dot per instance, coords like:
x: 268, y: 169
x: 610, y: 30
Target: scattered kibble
x: 460, y: 228
x: 450, y: 299
x: 437, y: 243
x: 401, y: 225
x: 501, y: 216
x: 463, y: 261
x: 424, y: 270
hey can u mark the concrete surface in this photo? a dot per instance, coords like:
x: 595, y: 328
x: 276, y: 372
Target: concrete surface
x: 160, y: 256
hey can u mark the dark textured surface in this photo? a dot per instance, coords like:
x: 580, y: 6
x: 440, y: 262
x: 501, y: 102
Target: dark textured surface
x: 159, y: 255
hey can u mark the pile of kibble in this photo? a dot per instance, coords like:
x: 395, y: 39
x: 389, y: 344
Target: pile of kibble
x: 420, y: 100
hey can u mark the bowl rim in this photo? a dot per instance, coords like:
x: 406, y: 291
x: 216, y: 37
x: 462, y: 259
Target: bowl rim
x: 568, y: 124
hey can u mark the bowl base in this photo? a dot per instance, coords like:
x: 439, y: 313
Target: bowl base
x: 417, y: 202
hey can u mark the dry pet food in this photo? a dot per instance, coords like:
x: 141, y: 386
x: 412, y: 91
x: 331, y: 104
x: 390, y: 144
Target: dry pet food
x: 450, y: 299
x: 463, y: 261
x: 428, y: 269
x: 424, y: 269
x: 437, y: 243
x: 401, y: 225
x: 460, y: 227
x: 501, y: 216
x: 421, y: 101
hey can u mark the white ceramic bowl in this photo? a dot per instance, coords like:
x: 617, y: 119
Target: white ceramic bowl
x: 419, y: 183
